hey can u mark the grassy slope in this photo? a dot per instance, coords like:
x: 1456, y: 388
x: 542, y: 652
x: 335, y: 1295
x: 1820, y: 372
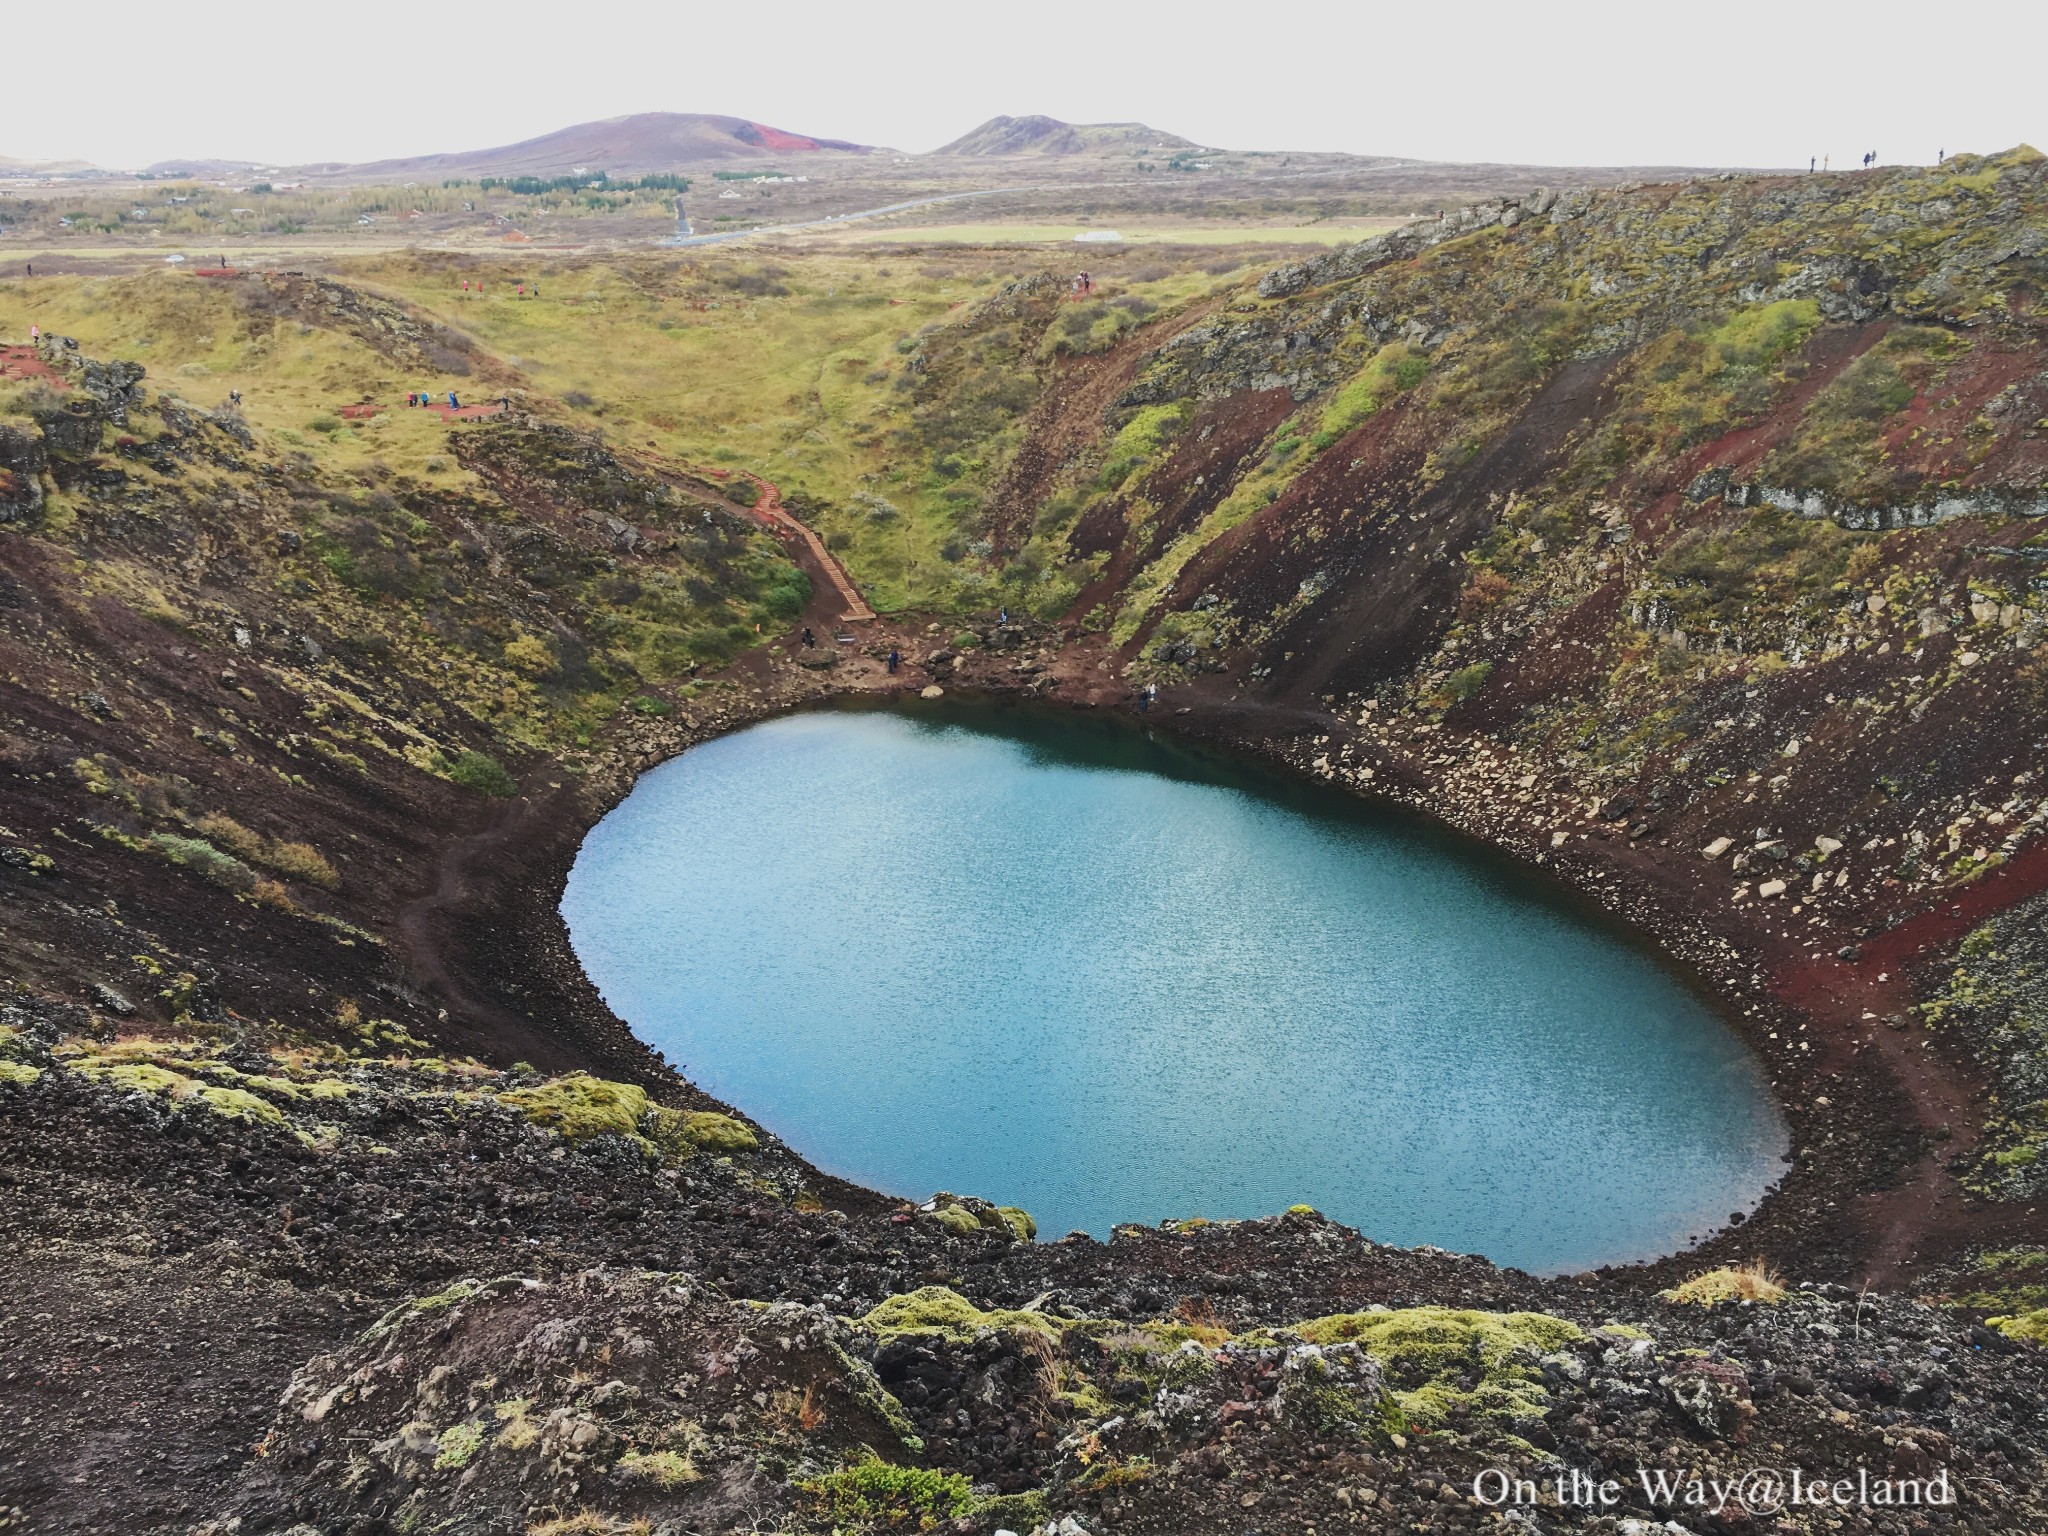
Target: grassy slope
x: 792, y: 368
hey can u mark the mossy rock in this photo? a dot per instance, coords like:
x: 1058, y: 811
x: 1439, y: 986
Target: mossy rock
x: 2028, y: 1327
x: 136, y: 1077
x: 966, y: 1215
x: 881, y: 1495
x: 237, y: 1104
x: 938, y: 1310
x: 1445, y: 1363
x: 680, y: 1133
x: 714, y: 1132
x: 580, y: 1107
x: 18, y: 1072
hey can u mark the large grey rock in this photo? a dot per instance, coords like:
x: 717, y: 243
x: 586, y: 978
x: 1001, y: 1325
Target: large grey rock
x: 22, y: 462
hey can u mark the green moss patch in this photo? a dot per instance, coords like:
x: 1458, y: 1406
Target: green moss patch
x: 1444, y: 1364
x: 881, y: 1494
x: 937, y: 1310
x: 580, y: 1106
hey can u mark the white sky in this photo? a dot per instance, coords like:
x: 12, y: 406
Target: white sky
x: 1570, y: 82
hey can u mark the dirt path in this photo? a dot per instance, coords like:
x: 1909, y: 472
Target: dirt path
x: 818, y: 562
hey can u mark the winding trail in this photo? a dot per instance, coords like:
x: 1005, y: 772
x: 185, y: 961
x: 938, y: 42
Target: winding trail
x: 810, y: 551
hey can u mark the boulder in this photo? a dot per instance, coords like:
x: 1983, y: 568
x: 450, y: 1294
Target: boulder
x: 1713, y: 1395
x: 22, y: 462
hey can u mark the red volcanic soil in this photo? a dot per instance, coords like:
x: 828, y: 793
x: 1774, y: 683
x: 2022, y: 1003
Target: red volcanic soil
x: 776, y: 138
x: 23, y: 363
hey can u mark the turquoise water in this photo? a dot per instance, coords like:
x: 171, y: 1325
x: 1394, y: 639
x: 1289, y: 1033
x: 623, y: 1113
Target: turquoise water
x: 1048, y: 959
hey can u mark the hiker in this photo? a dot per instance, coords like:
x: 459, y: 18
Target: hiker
x: 895, y: 660
x: 1145, y: 696
x: 504, y: 405
x: 453, y: 403
x: 1003, y: 617
x: 810, y: 640
x: 1809, y: 164
x: 235, y: 398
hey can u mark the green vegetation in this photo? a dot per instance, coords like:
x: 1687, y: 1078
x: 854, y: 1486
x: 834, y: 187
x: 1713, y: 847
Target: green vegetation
x: 878, y: 1495
x: 667, y: 1470
x: 1394, y: 369
x: 711, y: 1131
x: 2028, y: 1327
x: 1753, y: 1281
x: 483, y: 773
x: 1138, y: 441
x: 580, y: 1106
x: 1445, y: 1365
x: 1758, y: 559
x: 938, y: 1310
x: 1996, y: 1001
x: 459, y: 1444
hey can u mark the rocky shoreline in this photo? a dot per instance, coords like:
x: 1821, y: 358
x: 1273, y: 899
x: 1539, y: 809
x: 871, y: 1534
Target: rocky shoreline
x: 1865, y: 1138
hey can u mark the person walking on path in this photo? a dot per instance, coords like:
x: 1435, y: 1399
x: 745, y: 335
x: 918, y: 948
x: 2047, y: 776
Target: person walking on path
x: 810, y: 640
x: 453, y: 403
x: 895, y: 660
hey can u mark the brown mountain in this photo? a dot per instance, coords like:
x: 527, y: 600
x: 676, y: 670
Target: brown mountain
x: 623, y: 146
x: 1038, y: 135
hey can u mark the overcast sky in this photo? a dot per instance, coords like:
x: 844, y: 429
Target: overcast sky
x: 1571, y: 82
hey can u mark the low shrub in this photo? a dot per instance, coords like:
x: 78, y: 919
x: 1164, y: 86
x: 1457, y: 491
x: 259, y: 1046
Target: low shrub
x: 484, y: 774
x: 201, y: 857
x: 1754, y: 1281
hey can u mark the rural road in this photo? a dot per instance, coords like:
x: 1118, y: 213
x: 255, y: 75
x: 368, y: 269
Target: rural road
x: 684, y: 237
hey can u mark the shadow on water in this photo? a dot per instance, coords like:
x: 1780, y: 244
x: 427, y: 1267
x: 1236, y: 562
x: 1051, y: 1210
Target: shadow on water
x: 1059, y: 736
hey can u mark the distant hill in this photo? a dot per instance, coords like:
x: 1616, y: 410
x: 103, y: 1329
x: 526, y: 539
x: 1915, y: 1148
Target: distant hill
x: 12, y: 167
x: 1038, y: 135
x: 621, y: 146
x: 204, y: 170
